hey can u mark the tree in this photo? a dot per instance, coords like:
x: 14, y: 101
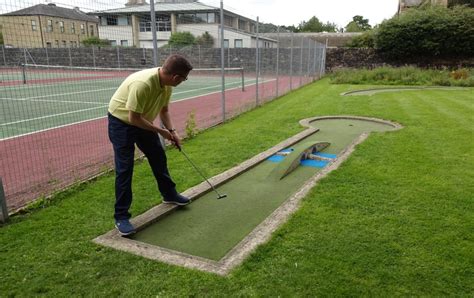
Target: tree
x: 358, y: 24
x: 181, y: 39
x: 315, y: 25
x: 95, y: 41
x: 205, y: 40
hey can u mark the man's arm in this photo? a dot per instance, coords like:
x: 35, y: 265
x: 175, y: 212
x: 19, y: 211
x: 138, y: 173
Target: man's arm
x: 166, y: 120
x: 137, y: 120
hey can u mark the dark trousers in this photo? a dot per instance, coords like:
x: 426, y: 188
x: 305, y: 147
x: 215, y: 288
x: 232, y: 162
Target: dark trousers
x: 124, y: 137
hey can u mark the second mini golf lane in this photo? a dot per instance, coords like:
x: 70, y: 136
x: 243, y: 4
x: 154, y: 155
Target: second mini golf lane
x: 210, y: 228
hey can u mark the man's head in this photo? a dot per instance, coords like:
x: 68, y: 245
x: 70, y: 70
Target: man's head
x: 175, y: 70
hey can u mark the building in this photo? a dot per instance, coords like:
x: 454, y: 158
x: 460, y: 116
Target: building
x: 47, y: 26
x: 131, y: 25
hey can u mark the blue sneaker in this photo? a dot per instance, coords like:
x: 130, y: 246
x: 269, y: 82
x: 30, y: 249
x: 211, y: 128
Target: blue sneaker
x: 124, y: 227
x: 177, y: 199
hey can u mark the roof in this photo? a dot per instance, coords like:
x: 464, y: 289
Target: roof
x: 53, y: 11
x: 167, y: 7
x: 161, y: 7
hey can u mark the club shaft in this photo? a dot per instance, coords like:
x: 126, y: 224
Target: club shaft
x: 200, y: 173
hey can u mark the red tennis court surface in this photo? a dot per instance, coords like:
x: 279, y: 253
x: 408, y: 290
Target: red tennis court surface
x: 55, y: 158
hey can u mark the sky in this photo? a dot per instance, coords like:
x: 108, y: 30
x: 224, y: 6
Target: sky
x: 285, y: 12
x: 278, y: 12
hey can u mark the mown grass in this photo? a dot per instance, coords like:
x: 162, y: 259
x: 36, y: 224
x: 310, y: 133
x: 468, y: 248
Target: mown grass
x: 404, y: 76
x: 395, y: 219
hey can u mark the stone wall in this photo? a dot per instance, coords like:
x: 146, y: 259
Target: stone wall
x: 210, y: 58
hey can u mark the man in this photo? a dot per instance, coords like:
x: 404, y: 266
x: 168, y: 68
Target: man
x: 132, y: 110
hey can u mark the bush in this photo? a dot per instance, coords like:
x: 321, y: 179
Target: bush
x: 181, y: 39
x: 434, y: 31
x: 404, y: 76
x: 365, y: 40
x: 95, y: 41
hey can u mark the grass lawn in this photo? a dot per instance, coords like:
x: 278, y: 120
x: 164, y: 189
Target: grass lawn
x: 395, y: 219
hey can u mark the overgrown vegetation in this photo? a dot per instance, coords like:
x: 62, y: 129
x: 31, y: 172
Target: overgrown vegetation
x: 191, y: 126
x: 181, y: 39
x: 404, y: 76
x: 95, y: 41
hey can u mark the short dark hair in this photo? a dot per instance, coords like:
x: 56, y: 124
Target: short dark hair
x: 177, y: 64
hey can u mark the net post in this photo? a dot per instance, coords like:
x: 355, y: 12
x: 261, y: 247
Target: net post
x: 3, y: 204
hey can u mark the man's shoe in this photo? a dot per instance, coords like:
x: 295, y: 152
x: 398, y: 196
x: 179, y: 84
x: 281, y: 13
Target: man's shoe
x: 124, y: 227
x: 177, y: 199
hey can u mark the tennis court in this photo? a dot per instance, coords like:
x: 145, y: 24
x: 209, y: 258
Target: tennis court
x: 58, y: 96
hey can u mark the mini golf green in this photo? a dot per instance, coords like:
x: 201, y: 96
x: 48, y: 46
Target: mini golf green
x: 211, y: 228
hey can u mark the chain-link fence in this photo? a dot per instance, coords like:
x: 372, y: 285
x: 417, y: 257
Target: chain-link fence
x: 60, y: 65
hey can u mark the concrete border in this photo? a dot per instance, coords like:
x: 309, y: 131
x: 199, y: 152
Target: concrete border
x: 372, y: 91
x: 258, y: 236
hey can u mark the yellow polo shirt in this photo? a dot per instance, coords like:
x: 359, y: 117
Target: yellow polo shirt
x: 140, y: 92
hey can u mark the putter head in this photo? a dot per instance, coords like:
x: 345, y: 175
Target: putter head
x: 221, y: 196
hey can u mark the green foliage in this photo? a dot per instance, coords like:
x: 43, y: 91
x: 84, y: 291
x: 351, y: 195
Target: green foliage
x: 434, y: 31
x: 181, y: 39
x: 469, y: 3
x: 191, y: 127
x: 95, y: 41
x: 404, y: 76
x: 315, y: 25
x: 205, y: 40
x: 358, y: 24
x: 365, y: 40
x: 1, y: 35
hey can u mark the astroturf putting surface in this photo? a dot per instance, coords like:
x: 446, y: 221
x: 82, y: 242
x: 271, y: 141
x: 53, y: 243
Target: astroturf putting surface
x: 210, y: 228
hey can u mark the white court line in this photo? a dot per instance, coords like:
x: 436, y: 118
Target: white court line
x: 50, y: 116
x: 51, y: 128
x: 79, y: 122
x: 62, y: 94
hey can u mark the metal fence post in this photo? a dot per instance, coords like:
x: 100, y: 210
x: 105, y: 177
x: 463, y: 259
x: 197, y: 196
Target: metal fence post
x: 118, y: 57
x: 301, y: 62
x: 257, y: 63
x: 3, y: 204
x: 70, y: 57
x: 153, y: 33
x: 222, y: 61
x: 47, y: 56
x: 291, y: 63
x: 278, y: 61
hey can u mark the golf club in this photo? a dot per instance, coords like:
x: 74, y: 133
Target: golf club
x: 220, y: 196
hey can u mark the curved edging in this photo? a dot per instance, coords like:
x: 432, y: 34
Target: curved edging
x: 307, y: 121
x: 395, y: 89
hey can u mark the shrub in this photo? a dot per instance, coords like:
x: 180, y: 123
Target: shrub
x: 181, y: 39
x: 433, y: 31
x: 95, y: 41
x: 365, y: 40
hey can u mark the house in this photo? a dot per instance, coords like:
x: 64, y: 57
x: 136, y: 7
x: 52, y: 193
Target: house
x: 131, y: 25
x: 47, y: 26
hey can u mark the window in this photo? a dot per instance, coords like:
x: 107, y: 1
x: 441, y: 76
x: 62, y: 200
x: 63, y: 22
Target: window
x: 110, y: 21
x: 61, y: 27
x: 123, y: 21
x: 228, y: 21
x: 226, y: 43
x: 64, y: 44
x: 113, y: 43
x: 163, y: 23
x: 92, y: 30
x: 83, y: 29
x: 242, y: 25
x: 196, y: 18
x: 49, y: 26
x: 238, y: 43
x: 73, y: 28
x: 124, y: 43
x: 33, y: 25
x: 48, y: 45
